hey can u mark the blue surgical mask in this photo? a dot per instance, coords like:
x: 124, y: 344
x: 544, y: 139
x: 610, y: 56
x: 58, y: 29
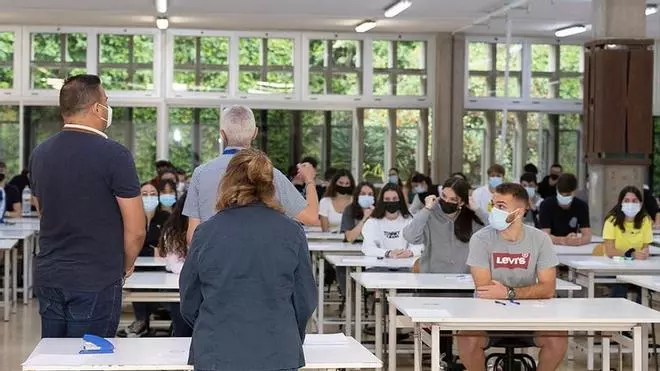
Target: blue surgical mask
x: 564, y: 200
x: 494, y: 181
x: 631, y: 209
x: 531, y: 191
x: 150, y: 203
x: 167, y: 200
x: 420, y: 189
x: 366, y: 201
x: 394, y: 179
x: 498, y: 219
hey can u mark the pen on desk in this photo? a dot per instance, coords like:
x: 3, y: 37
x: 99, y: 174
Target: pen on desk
x: 500, y: 302
x: 514, y: 302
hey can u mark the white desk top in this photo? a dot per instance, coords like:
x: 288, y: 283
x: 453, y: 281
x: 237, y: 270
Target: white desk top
x: 14, y: 224
x: 15, y: 234
x: 152, y: 281
x: 368, y: 261
x: 334, y: 246
x: 606, y: 265
x: 466, y: 311
x: 648, y: 282
x: 8, y: 244
x: 588, y: 249
x: 428, y: 281
x: 324, y: 236
x: 150, y: 261
x: 321, y: 351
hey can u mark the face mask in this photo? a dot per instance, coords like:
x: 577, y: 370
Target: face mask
x: 108, y: 121
x: 419, y: 189
x: 498, y: 219
x: 167, y: 200
x: 564, y: 200
x: 344, y: 190
x: 494, y: 181
x: 180, y: 188
x: 392, y: 206
x: 365, y: 201
x: 150, y: 203
x: 448, y: 207
x: 531, y: 191
x: 394, y: 179
x: 631, y: 209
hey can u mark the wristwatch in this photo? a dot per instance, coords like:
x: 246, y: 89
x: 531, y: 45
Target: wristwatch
x: 511, y: 293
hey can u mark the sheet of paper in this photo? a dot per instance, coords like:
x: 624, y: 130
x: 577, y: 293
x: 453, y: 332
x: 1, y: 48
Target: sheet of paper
x: 56, y: 360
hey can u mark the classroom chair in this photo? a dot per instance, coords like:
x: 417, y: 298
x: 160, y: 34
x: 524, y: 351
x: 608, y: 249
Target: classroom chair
x: 510, y: 360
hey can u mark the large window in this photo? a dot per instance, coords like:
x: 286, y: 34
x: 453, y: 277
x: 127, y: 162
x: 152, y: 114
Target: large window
x: 193, y: 136
x: 55, y: 56
x: 201, y: 63
x: 266, y: 65
x: 274, y: 136
x: 6, y: 60
x: 10, y: 139
x: 486, y: 66
x: 126, y: 62
x: 474, y: 137
x: 556, y: 71
x: 375, y: 132
x: 569, y: 142
x: 335, y: 67
x: 399, y: 67
x: 342, y: 139
x: 135, y: 128
x: 40, y: 124
x: 407, y: 130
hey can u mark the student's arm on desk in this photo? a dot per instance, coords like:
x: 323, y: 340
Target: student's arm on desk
x: 543, y: 289
x: 555, y: 239
x: 132, y: 214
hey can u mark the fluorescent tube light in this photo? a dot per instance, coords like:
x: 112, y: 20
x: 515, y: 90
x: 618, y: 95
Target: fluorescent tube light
x: 651, y: 9
x: 162, y: 23
x: 571, y: 30
x: 397, y: 8
x: 365, y: 26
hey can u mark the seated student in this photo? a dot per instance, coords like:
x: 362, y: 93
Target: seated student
x: 444, y: 228
x: 528, y: 180
x: 548, y: 186
x: 531, y: 168
x: 483, y: 194
x: 383, y: 232
x: 248, y: 295
x: 21, y: 180
x: 512, y: 261
x: 337, y: 196
x: 357, y: 213
x: 564, y: 217
x: 13, y: 199
x: 422, y: 187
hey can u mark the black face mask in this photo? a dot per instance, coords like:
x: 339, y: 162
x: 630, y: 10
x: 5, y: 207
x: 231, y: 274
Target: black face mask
x: 392, y: 206
x: 448, y: 207
x: 344, y: 190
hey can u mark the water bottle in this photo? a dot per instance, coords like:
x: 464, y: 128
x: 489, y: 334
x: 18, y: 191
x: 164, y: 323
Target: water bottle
x: 26, y: 206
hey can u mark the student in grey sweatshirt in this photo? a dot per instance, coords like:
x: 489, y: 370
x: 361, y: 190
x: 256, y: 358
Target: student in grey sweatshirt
x: 445, y: 226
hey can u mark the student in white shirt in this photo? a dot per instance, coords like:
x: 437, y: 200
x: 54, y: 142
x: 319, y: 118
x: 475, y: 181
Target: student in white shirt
x: 337, y: 196
x: 383, y: 233
x: 483, y: 195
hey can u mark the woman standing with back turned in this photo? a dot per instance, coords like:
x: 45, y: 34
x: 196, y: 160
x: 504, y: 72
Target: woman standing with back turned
x: 253, y: 264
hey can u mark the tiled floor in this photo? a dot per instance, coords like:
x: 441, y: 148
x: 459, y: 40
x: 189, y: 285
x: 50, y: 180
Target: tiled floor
x: 21, y: 334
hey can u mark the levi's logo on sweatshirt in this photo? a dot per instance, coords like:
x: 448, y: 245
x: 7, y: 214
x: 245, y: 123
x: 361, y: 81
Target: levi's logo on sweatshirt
x: 503, y: 260
x: 392, y: 235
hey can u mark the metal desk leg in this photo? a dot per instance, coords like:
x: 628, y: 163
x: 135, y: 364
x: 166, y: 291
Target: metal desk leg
x: 570, y: 353
x: 319, y: 309
x: 30, y: 275
x: 358, y: 312
x: 348, y: 308
x: 391, y: 333
x: 14, y: 278
x: 435, y: 348
x: 590, y: 339
x: 5, y: 285
x: 645, y: 347
x: 418, y: 347
x: 379, y: 324
x: 638, y: 356
x: 606, y: 353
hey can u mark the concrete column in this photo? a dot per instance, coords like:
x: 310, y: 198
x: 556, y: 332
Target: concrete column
x: 422, y: 150
x: 390, y: 142
x: 616, y: 19
x: 458, y: 103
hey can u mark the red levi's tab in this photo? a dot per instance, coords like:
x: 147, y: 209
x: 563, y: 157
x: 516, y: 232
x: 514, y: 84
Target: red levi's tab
x: 503, y: 260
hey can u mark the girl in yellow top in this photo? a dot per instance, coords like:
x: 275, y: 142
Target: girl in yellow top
x: 628, y: 231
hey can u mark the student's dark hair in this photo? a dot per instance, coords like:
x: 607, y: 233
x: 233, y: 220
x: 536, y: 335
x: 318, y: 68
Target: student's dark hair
x: 164, y: 183
x: 458, y: 174
x: 78, y: 93
x: 173, y: 235
x: 618, y: 217
x: 496, y: 169
x: 329, y: 173
x: 356, y: 209
x: 466, y: 216
x: 167, y: 171
x: 2, y: 177
x: 516, y: 190
x: 529, y: 178
x: 557, y: 165
x: 567, y: 183
x: 311, y: 160
x: 331, y: 191
x: 396, y: 170
x: 421, y: 178
x: 379, y: 210
x: 531, y: 168
x: 164, y: 163
x: 293, y: 171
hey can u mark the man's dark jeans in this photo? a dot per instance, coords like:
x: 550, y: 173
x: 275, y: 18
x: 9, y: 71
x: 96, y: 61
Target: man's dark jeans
x: 72, y: 314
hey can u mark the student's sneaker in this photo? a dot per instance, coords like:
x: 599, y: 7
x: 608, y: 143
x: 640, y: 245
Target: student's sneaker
x: 137, y: 329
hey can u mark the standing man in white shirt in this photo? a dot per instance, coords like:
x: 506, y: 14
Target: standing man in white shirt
x: 484, y: 194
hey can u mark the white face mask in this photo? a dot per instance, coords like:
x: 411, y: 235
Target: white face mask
x: 498, y: 219
x: 631, y: 209
x: 108, y: 121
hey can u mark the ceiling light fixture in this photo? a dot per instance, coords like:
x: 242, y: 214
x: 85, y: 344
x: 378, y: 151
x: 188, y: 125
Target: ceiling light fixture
x: 161, y: 6
x: 162, y: 23
x: 365, y: 26
x: 571, y: 30
x: 397, y: 8
x: 651, y: 9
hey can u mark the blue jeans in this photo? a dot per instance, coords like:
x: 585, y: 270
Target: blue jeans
x: 72, y: 314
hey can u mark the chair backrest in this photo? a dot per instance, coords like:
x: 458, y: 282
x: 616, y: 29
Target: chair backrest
x: 599, y: 250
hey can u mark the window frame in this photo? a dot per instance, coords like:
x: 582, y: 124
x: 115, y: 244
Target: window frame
x: 10, y: 95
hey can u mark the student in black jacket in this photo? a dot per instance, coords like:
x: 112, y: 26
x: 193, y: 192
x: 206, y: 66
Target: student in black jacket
x: 247, y: 286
